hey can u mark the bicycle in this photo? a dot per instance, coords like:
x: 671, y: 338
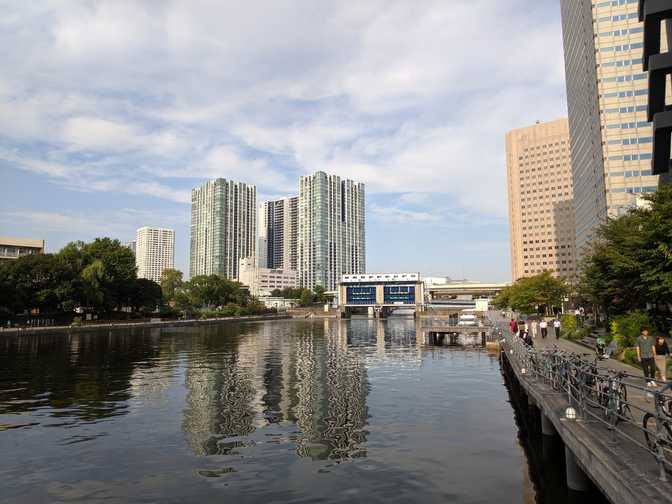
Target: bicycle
x: 617, y: 407
x: 650, y: 424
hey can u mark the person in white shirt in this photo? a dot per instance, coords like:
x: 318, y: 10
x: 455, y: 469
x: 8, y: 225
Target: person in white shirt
x: 556, y: 326
x: 535, y: 328
x: 543, y: 325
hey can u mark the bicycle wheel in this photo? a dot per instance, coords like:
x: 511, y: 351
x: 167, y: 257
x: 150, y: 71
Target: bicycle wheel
x: 650, y: 425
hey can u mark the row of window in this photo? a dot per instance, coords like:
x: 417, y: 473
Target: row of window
x: 631, y: 157
x: 619, y: 17
x: 625, y: 110
x: 615, y: 3
x: 624, y: 31
x: 633, y: 190
x: 625, y: 78
x: 622, y: 63
x: 630, y: 125
x: 622, y: 47
x: 626, y: 94
x: 631, y: 173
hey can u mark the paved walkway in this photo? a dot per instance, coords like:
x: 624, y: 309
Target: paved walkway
x: 640, y: 398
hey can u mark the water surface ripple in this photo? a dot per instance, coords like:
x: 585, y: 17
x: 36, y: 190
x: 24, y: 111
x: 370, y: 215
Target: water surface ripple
x: 289, y: 411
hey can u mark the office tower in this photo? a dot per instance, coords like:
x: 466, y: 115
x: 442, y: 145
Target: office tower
x: 541, y: 213
x: 154, y: 252
x: 278, y: 233
x: 131, y: 246
x: 331, y: 230
x: 223, y: 227
x: 606, y: 97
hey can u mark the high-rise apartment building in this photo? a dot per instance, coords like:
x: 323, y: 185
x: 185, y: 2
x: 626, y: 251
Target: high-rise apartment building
x: 278, y: 233
x: 154, y: 252
x: 223, y: 227
x: 541, y: 213
x: 331, y: 238
x: 607, y: 100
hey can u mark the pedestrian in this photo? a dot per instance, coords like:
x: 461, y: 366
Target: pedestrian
x: 535, y: 328
x: 579, y: 318
x: 662, y: 351
x: 543, y: 325
x: 556, y: 326
x: 527, y: 339
x: 514, y: 326
x: 646, y: 353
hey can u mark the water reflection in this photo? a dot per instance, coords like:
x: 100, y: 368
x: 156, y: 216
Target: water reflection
x: 311, y: 379
x: 352, y: 411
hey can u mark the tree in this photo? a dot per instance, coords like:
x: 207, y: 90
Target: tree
x: 629, y: 265
x: 542, y: 293
x: 145, y: 295
x: 319, y: 294
x: 171, y: 281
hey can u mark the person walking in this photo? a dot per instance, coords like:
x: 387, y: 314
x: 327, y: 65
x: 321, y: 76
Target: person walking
x: 514, y: 326
x: 662, y: 351
x: 646, y: 353
x: 535, y: 328
x: 543, y: 325
x: 556, y: 326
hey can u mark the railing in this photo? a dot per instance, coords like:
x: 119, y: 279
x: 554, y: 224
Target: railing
x: 602, y: 396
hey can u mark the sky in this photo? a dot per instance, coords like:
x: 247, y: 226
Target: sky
x: 111, y: 111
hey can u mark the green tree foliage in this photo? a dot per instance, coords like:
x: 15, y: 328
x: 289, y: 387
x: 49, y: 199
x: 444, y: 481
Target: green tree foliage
x: 145, y: 295
x: 625, y: 329
x: 171, y: 282
x: 306, y: 297
x: 630, y: 263
x: 98, y: 275
x: 542, y: 293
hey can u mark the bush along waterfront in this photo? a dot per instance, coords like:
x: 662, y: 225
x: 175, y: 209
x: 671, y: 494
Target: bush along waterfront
x: 100, y: 278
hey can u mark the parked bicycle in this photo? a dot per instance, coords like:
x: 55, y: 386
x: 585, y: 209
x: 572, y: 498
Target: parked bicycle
x: 658, y: 425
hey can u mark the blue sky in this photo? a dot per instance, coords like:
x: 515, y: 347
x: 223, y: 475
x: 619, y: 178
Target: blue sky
x: 111, y: 111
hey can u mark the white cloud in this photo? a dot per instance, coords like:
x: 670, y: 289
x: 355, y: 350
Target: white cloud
x: 151, y: 98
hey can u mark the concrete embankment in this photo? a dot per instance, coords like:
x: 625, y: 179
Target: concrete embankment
x: 138, y: 325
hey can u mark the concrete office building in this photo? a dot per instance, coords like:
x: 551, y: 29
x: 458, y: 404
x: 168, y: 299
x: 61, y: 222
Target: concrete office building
x: 132, y: 245
x: 541, y: 213
x: 263, y: 281
x: 154, y: 252
x: 223, y: 227
x: 278, y: 233
x: 13, y: 248
x: 331, y: 238
x: 607, y: 100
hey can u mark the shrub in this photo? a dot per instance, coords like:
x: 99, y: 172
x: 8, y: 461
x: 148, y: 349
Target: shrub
x: 626, y: 328
x: 630, y: 356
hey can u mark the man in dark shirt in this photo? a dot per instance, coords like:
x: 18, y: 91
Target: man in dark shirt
x: 646, y: 353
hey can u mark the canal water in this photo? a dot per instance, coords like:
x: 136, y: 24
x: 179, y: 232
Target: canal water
x: 271, y: 412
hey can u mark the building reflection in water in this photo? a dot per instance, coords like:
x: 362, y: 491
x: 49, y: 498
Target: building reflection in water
x: 308, y: 378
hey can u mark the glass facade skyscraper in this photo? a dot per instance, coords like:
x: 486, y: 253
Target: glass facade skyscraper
x: 223, y: 227
x: 331, y: 238
x: 606, y: 97
x: 278, y: 233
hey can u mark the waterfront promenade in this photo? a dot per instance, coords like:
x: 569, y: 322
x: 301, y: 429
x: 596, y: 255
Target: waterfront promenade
x: 615, y: 458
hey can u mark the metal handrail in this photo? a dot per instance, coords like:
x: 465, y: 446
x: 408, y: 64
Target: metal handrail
x: 600, y: 395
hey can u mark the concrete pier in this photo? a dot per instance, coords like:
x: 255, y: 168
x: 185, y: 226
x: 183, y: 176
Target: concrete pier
x: 576, y: 477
